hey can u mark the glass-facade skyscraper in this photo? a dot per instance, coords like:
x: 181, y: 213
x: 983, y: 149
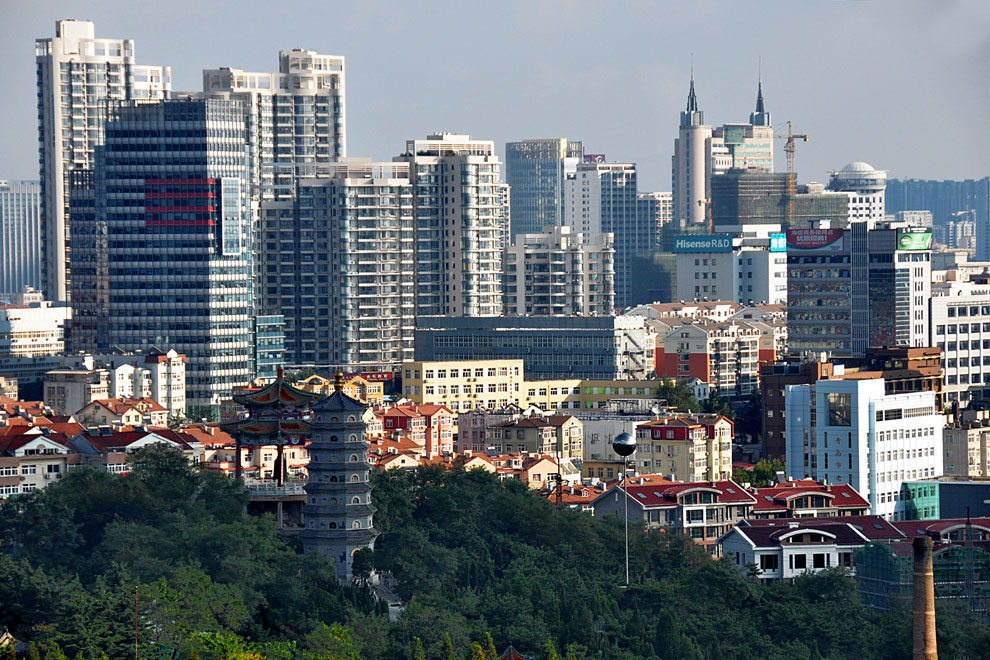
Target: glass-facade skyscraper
x: 535, y: 171
x: 77, y: 75
x: 20, y: 235
x: 163, y: 243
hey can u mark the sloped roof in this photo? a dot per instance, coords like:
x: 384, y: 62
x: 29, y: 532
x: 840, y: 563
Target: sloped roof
x: 273, y: 394
x: 339, y: 402
x: 874, y: 528
x: 664, y: 495
x: 775, y: 498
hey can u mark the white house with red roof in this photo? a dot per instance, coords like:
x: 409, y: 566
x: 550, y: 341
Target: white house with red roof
x: 135, y: 411
x: 33, y: 459
x: 782, y: 549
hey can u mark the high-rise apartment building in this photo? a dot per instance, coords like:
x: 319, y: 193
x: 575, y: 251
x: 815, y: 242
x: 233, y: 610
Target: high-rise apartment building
x: 163, y: 242
x: 656, y: 208
x: 945, y: 199
x: 460, y: 219
x: 77, y: 75
x: 535, y: 171
x: 338, y: 263
x: 559, y: 272
x: 20, y: 235
x: 296, y: 116
x: 602, y: 198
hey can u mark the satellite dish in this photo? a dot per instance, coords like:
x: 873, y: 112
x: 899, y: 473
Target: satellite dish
x: 655, y: 410
x: 624, y: 444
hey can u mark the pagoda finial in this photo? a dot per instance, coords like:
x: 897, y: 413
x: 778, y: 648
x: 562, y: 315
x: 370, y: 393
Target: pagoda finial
x: 338, y: 381
x: 280, y: 372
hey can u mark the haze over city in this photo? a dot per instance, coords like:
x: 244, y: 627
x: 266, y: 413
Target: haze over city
x: 901, y: 85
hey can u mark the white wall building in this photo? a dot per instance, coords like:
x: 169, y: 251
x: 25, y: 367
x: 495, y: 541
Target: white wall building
x: 752, y: 270
x: 461, y: 217
x: 959, y: 318
x: 31, y: 338
x: 863, y: 437
x: 865, y: 187
x: 559, y: 272
x: 297, y: 116
x: 77, y: 74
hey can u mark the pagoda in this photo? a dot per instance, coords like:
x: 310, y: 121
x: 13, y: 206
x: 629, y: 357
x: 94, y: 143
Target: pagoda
x: 339, y: 514
x: 277, y: 415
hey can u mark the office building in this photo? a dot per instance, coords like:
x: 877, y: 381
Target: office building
x: 702, y: 152
x: 31, y: 339
x: 755, y: 203
x: 157, y: 266
x: 269, y: 346
x: 865, y: 187
x: 78, y: 75
x: 959, y: 318
x: 850, y: 289
x: 460, y: 219
x: 723, y: 267
x: 535, y: 171
x: 20, y: 235
x: 852, y: 432
x: 297, y: 116
x: 602, y: 347
x: 559, y: 272
x: 602, y: 198
x: 338, y: 263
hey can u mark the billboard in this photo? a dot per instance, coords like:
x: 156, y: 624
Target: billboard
x: 594, y: 158
x: 778, y: 242
x: 703, y: 243
x: 814, y: 239
x: 914, y: 240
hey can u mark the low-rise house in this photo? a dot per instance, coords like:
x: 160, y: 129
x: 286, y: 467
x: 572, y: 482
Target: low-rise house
x: 702, y: 510
x: 472, y: 426
x: 536, y: 471
x: 806, y: 498
x: 576, y: 496
x: 556, y: 435
x: 34, y: 459
x: 690, y: 447
x: 782, y: 549
x: 139, y: 411
x: 109, y: 448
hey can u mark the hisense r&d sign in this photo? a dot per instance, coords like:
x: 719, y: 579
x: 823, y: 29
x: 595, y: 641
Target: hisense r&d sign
x: 710, y: 243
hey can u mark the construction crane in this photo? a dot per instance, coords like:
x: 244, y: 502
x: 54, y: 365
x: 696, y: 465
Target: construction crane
x: 790, y: 147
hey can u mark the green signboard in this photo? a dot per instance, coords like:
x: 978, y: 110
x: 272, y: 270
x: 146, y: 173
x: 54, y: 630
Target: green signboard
x: 914, y: 240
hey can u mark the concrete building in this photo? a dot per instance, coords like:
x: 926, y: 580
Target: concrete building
x: 20, y: 235
x: 158, y: 375
x: 297, y: 116
x: 460, y: 224
x: 689, y: 447
x: 77, y: 75
x: 535, y: 171
x: 966, y: 450
x: 269, y: 346
x: 558, y: 436
x: 724, y: 267
x: 959, y: 320
x: 559, y: 272
x: 472, y: 427
x: 148, y: 287
x: 464, y: 385
x: 852, y: 432
x: 339, y: 514
x: 865, y: 187
x: 339, y: 265
x: 755, y: 203
x: 31, y: 339
x: 601, y: 198
x: 550, y: 346
x: 850, y: 289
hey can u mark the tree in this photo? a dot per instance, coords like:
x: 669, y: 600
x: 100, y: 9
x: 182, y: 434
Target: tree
x: 417, y: 652
x: 677, y: 394
x: 449, y: 653
x: 749, y: 418
x: 549, y: 651
x: 490, y: 652
x: 331, y: 643
x: 7, y: 652
x: 475, y: 652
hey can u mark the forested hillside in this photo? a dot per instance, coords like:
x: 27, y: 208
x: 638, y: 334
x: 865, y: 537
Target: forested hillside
x: 472, y: 557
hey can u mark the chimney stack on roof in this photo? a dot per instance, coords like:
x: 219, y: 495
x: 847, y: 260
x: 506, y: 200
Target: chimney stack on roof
x: 925, y: 643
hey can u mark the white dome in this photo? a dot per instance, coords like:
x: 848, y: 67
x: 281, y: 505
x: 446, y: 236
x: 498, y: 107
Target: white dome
x: 858, y: 166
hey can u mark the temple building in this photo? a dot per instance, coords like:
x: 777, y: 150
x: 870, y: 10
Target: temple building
x: 338, y: 512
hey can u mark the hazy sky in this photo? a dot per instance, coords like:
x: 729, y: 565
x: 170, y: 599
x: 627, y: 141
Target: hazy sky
x: 902, y: 84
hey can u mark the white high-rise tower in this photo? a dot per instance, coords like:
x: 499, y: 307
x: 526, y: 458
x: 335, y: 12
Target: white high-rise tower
x: 77, y: 74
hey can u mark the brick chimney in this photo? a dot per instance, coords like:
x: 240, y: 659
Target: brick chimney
x: 925, y: 646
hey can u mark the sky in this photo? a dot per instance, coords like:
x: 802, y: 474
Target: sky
x: 901, y: 84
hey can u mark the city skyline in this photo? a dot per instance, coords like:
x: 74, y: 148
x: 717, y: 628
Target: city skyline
x: 856, y: 85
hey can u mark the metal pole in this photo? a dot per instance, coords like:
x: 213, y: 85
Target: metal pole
x: 135, y: 622
x: 625, y: 482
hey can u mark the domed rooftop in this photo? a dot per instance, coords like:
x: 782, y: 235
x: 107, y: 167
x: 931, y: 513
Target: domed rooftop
x: 858, y: 166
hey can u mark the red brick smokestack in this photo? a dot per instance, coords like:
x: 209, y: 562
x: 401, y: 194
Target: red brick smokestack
x: 925, y: 647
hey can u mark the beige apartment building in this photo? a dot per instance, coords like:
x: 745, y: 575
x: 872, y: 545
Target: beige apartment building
x: 464, y: 385
x: 549, y: 436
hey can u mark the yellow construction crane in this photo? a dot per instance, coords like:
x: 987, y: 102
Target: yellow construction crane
x: 790, y: 147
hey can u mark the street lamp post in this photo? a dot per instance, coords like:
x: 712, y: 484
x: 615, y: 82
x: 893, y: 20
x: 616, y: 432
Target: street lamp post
x: 625, y: 446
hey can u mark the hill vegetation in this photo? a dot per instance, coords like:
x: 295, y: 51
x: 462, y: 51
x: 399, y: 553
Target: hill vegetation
x: 480, y: 564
